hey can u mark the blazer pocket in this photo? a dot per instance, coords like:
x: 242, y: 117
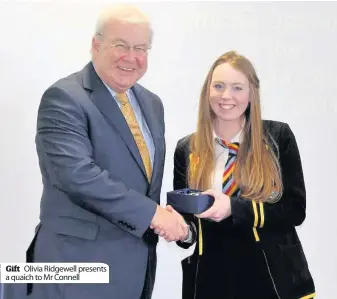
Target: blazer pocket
x: 79, y: 228
x: 296, y: 263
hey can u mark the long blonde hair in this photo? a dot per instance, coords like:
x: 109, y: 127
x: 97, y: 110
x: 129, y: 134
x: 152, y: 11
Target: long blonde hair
x: 257, y: 170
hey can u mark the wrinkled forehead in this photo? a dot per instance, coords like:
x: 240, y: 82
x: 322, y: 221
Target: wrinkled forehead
x: 227, y: 74
x: 131, y: 32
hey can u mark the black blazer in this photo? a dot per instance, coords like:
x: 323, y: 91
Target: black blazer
x: 261, y: 235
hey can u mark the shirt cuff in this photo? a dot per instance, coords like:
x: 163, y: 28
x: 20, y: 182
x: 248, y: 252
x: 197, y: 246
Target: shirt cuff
x: 189, y: 238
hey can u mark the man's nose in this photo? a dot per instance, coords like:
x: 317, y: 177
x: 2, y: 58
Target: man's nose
x: 130, y: 55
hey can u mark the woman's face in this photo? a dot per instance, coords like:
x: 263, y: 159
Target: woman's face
x: 229, y: 93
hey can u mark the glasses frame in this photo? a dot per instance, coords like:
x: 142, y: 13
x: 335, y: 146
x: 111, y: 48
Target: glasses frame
x: 126, y: 47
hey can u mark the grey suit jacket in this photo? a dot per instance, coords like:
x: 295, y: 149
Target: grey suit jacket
x: 97, y: 204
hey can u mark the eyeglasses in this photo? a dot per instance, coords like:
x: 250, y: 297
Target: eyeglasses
x: 124, y: 48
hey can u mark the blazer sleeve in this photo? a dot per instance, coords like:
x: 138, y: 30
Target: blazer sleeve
x: 180, y: 182
x: 290, y: 210
x: 65, y: 151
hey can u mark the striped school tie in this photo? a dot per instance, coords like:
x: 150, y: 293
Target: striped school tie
x: 229, y: 185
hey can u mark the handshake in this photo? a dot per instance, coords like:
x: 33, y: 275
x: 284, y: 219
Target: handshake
x: 169, y: 224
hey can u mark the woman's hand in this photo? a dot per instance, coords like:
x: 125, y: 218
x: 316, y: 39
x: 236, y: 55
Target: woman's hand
x: 221, y: 207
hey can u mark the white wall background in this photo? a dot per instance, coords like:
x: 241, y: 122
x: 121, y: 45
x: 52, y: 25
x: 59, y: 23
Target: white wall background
x: 293, y: 46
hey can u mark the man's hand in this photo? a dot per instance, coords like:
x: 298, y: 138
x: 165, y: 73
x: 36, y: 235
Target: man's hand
x: 182, y: 221
x: 221, y: 207
x: 169, y: 224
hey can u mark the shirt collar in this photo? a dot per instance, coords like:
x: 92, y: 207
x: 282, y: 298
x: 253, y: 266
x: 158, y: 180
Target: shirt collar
x: 114, y: 93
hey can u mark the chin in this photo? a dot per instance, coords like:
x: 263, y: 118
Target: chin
x: 126, y: 82
x: 228, y: 117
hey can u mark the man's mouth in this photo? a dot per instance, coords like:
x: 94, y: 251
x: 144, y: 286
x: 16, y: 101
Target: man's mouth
x: 126, y: 69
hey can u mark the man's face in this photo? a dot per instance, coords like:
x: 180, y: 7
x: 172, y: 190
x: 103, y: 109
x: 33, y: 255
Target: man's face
x: 118, y: 64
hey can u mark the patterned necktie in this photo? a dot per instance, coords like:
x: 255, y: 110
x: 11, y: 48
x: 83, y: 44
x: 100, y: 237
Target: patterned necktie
x: 229, y: 185
x: 131, y: 120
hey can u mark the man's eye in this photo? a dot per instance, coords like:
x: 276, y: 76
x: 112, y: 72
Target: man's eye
x: 140, y: 49
x: 120, y: 46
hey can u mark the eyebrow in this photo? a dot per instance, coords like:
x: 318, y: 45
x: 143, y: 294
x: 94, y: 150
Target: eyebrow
x: 233, y: 83
x: 125, y: 42
x: 119, y: 40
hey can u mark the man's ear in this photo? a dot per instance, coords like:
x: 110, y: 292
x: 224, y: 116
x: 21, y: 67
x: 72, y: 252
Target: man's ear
x: 95, y: 44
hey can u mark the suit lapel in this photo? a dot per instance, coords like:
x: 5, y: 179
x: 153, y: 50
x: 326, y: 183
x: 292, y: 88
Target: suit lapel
x: 104, y: 101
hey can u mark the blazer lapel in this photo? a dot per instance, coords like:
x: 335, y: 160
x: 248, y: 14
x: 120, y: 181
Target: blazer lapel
x: 104, y: 101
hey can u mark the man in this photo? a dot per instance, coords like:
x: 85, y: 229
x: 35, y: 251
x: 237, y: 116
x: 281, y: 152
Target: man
x: 100, y: 143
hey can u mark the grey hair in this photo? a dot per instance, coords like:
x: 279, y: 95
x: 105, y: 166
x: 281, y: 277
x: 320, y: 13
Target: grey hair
x: 124, y: 13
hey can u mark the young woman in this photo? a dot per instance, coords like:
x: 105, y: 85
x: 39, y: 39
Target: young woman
x: 246, y: 243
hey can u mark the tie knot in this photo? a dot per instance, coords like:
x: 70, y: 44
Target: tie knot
x: 122, y: 98
x: 232, y: 147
